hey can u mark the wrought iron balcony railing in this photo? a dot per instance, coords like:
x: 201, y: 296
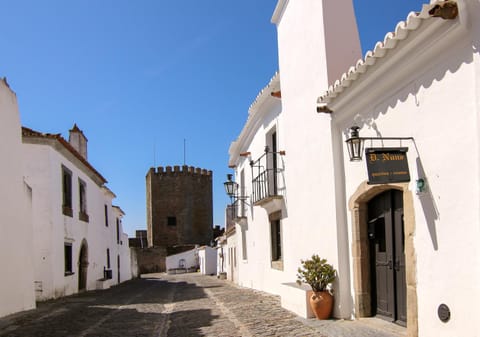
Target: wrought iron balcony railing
x: 267, y: 173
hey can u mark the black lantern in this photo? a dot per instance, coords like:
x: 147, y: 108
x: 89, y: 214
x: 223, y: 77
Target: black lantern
x: 355, y: 144
x: 231, y: 187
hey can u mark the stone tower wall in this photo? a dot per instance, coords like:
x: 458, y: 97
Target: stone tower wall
x: 183, y: 194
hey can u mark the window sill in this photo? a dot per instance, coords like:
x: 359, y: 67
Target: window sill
x: 278, y: 265
x: 83, y: 216
x: 69, y: 273
x: 67, y: 211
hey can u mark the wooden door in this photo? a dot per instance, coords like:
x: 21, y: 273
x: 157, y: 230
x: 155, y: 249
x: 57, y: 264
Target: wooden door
x: 386, y: 234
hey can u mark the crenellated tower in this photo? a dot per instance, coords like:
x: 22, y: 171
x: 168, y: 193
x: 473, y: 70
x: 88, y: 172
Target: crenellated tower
x: 179, y: 206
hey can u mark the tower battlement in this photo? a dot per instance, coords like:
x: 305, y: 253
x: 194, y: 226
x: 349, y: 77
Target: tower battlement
x: 176, y: 170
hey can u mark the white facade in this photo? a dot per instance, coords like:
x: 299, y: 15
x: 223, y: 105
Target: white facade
x: 120, y: 248
x: 428, y: 89
x: 423, y: 82
x: 185, y: 260
x: 76, y: 243
x: 16, y: 288
x: 207, y: 259
x: 303, y: 207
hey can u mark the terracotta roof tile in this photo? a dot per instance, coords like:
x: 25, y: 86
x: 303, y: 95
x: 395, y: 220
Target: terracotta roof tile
x: 27, y: 132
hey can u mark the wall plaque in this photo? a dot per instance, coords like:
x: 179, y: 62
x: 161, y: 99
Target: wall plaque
x: 387, y: 165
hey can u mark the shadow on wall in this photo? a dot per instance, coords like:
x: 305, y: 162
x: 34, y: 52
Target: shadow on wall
x: 427, y: 200
x: 449, y: 62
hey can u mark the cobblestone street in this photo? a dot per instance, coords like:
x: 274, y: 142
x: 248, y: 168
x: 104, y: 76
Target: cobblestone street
x: 178, y: 305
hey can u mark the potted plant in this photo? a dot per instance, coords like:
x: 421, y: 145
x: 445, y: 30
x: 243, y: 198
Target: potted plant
x: 319, y: 275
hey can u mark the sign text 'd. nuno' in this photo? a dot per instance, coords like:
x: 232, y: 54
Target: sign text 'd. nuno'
x: 387, y: 165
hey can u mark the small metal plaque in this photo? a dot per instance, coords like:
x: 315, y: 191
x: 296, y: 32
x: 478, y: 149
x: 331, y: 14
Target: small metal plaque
x: 444, y: 312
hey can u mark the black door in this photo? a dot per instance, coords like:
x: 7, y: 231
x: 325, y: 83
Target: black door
x: 82, y: 268
x: 387, y: 254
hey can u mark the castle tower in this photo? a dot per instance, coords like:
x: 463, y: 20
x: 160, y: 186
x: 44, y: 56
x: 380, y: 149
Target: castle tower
x: 179, y: 206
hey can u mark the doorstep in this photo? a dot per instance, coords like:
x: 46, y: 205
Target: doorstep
x: 363, y: 327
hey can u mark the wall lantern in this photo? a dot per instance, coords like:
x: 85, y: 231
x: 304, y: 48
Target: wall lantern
x: 231, y: 187
x: 355, y: 143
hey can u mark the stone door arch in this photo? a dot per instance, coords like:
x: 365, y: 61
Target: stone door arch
x: 83, y: 266
x: 358, y: 205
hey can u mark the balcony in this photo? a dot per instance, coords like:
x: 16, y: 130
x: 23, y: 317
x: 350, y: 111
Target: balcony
x: 237, y: 211
x: 268, y: 183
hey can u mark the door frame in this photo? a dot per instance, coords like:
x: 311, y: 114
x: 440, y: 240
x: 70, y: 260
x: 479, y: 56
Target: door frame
x: 358, y: 205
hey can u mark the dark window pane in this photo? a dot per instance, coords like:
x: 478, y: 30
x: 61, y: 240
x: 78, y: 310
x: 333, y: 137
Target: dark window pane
x: 171, y: 221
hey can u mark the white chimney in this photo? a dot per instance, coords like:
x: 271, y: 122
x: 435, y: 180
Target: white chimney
x: 78, y: 140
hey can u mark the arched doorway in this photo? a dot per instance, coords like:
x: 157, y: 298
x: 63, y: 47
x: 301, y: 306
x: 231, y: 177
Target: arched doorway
x: 83, y: 266
x: 366, y: 211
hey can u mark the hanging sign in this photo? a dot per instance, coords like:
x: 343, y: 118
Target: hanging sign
x: 387, y: 165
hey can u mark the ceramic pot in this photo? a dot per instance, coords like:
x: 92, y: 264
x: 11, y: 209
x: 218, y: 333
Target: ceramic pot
x: 321, y: 303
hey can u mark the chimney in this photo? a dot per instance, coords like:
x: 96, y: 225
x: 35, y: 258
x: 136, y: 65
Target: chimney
x: 78, y: 140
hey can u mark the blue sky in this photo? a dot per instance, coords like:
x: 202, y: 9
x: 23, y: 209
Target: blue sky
x: 139, y: 77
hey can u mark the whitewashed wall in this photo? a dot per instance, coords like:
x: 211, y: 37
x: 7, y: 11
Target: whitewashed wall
x: 133, y: 263
x: 311, y: 31
x: 173, y: 261
x: 435, y: 99
x: 121, y: 252
x: 221, y: 258
x: 208, y: 260
x: 310, y: 58
x: 52, y: 229
x: 430, y: 93
x: 125, y: 264
x: 16, y: 286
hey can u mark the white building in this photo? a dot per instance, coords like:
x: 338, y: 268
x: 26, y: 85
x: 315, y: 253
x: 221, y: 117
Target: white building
x: 78, y: 240
x: 121, y: 248
x: 281, y: 150
x: 207, y: 260
x: 182, y: 262
x: 16, y: 288
x: 405, y: 247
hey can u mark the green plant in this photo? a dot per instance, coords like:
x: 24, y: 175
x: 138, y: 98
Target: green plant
x: 316, y: 272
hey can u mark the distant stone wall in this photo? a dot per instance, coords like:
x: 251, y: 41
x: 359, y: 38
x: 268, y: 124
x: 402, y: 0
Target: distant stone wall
x: 179, y: 206
x: 150, y: 260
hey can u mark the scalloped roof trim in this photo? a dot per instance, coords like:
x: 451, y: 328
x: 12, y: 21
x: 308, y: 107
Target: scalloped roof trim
x: 273, y: 81
x: 403, y: 28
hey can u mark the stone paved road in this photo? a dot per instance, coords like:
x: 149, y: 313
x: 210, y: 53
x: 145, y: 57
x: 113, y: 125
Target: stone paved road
x: 186, y: 305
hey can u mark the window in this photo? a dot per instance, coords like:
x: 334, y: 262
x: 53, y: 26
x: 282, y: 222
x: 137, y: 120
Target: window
x: 68, y: 258
x: 118, y: 231
x: 107, y: 272
x: 234, y: 256
x: 67, y: 191
x: 108, y: 258
x: 243, y: 209
x: 82, y: 194
x: 272, y: 162
x: 244, y: 243
x: 171, y: 221
x: 276, y: 240
x: 106, y: 216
